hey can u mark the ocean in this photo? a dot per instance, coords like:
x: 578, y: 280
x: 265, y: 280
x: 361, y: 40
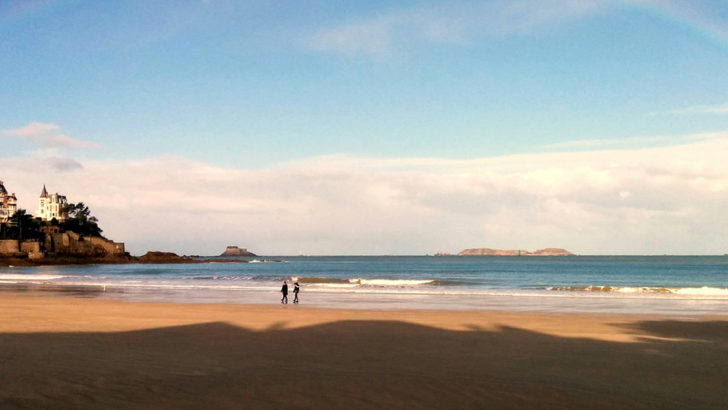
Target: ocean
x: 598, y: 284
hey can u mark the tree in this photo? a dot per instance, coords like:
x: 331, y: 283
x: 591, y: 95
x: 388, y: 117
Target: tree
x: 22, y: 226
x: 79, y: 220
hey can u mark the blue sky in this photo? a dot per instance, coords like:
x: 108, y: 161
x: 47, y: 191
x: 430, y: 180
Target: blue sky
x: 253, y: 86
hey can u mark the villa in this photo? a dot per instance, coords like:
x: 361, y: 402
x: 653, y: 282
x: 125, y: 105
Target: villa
x: 51, y: 206
x: 8, y: 204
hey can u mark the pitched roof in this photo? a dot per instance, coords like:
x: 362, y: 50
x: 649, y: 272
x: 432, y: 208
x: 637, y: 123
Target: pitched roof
x: 44, y: 194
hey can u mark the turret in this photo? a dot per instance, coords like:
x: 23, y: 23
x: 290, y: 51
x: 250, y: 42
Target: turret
x: 51, y: 206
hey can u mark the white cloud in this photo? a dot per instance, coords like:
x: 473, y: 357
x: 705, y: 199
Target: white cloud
x: 702, y: 109
x: 631, y: 142
x: 47, y: 136
x: 33, y: 129
x: 452, y: 22
x: 656, y: 200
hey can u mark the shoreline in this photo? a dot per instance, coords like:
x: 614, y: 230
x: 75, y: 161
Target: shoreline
x: 171, y: 258
x: 23, y: 262
x: 549, y: 302
x: 110, y: 294
x: 63, y: 352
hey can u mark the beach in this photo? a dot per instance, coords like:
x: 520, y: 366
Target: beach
x: 72, y: 351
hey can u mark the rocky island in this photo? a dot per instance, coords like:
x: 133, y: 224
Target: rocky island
x: 514, y: 252
x: 235, y: 251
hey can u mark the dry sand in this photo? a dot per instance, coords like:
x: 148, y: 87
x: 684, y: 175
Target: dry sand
x: 67, y: 352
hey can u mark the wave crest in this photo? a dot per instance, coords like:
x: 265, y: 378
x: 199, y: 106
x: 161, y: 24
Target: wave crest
x: 703, y: 291
x: 31, y: 277
x: 372, y: 282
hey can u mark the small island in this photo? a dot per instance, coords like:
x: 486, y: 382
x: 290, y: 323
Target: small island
x: 514, y: 252
x: 235, y: 251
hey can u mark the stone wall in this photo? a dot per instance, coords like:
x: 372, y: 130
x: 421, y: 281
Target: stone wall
x: 77, y: 245
x: 30, y: 246
x: 58, y: 242
x: 71, y: 243
x: 111, y: 247
x: 9, y: 247
x: 67, y: 243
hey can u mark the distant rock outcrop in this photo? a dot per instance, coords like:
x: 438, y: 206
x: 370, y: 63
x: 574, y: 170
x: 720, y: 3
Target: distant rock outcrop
x: 514, y: 252
x: 551, y: 252
x: 489, y: 251
x: 164, y: 257
x: 235, y: 251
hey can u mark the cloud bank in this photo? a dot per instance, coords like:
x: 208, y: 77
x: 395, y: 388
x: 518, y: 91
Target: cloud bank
x: 702, y: 109
x: 629, y: 201
x: 47, y: 136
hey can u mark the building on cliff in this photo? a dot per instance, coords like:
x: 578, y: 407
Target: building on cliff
x: 8, y: 204
x: 51, y: 206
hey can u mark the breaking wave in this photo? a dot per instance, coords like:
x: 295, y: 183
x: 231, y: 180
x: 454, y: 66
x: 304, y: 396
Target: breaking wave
x: 13, y: 278
x: 372, y: 282
x: 697, y: 291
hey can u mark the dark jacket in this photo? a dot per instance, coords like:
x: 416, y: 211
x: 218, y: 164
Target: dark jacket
x: 284, y: 289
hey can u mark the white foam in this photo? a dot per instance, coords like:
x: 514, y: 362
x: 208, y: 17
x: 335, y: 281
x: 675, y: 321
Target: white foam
x: 334, y: 285
x: 631, y: 289
x: 390, y: 282
x: 15, y: 277
x: 705, y: 290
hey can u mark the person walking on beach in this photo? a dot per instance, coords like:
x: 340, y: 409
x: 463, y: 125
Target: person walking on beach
x: 284, y: 291
x: 295, y: 292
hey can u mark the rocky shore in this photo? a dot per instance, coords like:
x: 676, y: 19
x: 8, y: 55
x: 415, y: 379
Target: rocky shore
x: 171, y: 257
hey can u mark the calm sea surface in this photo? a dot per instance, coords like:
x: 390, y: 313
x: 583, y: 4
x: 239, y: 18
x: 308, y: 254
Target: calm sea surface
x: 620, y: 284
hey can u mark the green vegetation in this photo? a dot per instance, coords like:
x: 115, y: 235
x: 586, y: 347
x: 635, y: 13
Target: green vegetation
x: 23, y: 226
x: 79, y: 220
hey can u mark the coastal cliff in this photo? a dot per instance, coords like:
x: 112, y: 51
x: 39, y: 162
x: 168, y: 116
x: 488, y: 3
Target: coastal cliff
x: 62, y: 248
x: 70, y: 248
x: 514, y: 252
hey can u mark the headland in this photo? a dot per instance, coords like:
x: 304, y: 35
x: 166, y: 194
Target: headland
x: 64, y: 233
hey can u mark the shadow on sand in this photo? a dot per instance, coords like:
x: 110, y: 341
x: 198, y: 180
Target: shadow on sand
x: 365, y: 364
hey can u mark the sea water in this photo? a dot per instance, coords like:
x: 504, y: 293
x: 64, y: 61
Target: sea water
x: 610, y: 284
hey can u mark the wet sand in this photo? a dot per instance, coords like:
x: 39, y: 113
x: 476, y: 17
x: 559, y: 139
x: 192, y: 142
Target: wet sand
x: 69, y: 352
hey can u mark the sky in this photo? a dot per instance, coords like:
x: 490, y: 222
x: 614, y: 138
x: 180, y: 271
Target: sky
x: 377, y: 127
